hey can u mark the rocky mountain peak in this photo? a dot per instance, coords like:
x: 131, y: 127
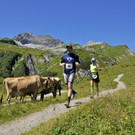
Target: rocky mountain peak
x: 33, y: 41
x: 90, y: 43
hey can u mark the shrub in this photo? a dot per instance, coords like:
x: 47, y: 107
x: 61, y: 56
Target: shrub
x: 7, y: 61
x: 20, y: 70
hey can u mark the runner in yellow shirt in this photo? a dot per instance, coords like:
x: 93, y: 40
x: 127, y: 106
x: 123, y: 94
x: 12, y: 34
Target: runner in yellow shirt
x: 94, y: 76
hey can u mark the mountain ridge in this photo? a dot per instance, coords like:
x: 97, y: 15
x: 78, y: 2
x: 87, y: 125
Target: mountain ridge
x: 30, y: 40
x: 43, y: 42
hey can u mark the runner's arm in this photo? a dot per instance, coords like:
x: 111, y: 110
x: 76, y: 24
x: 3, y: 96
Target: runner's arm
x: 62, y: 62
x: 77, y: 61
x: 77, y: 64
x: 98, y: 68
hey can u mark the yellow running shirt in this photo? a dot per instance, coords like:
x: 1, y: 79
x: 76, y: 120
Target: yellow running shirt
x: 92, y: 68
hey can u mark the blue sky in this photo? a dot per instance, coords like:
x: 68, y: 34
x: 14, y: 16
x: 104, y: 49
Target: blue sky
x: 77, y: 21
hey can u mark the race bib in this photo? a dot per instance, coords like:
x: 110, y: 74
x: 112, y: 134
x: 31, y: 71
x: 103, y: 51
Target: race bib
x: 69, y: 66
x: 94, y: 76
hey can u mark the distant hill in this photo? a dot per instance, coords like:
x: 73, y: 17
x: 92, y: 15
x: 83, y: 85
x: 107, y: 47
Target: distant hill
x: 7, y: 40
x: 90, y: 43
x: 33, y: 41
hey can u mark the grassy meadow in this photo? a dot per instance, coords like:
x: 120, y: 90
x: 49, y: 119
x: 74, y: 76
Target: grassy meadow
x: 111, y: 114
x: 107, y: 76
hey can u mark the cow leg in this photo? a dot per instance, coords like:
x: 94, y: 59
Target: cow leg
x: 7, y: 96
x: 22, y: 99
x: 16, y: 97
x: 59, y: 90
x: 34, y: 96
x: 31, y: 97
x: 54, y: 92
x: 8, y: 99
x: 42, y: 96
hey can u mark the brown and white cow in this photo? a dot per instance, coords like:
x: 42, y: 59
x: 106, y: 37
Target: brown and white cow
x: 56, y: 84
x: 22, y: 86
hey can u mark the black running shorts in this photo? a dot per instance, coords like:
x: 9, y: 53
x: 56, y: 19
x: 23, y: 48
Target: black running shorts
x: 94, y: 76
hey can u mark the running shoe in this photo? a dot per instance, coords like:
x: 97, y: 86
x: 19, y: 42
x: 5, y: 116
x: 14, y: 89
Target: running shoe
x: 74, y: 93
x: 67, y: 104
x: 91, y: 96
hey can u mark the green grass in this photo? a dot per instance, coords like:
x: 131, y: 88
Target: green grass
x: 17, y: 110
x: 111, y: 114
x: 9, y: 47
x: 82, y: 87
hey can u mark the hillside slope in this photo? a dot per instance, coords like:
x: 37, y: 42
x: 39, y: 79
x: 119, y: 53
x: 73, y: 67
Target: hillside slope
x: 46, y: 62
x: 37, y: 118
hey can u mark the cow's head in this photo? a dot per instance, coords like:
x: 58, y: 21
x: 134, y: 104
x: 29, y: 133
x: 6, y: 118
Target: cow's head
x: 48, y: 82
x: 44, y: 80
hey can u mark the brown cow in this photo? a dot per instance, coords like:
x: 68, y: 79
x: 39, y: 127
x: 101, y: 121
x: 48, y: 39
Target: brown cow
x: 22, y: 86
x: 55, y: 85
x: 12, y: 81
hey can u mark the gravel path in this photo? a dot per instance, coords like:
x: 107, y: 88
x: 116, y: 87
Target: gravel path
x: 24, y: 124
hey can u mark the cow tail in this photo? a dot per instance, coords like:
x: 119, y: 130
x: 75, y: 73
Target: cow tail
x: 2, y: 91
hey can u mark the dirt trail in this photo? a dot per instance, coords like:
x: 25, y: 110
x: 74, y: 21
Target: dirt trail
x: 24, y: 124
